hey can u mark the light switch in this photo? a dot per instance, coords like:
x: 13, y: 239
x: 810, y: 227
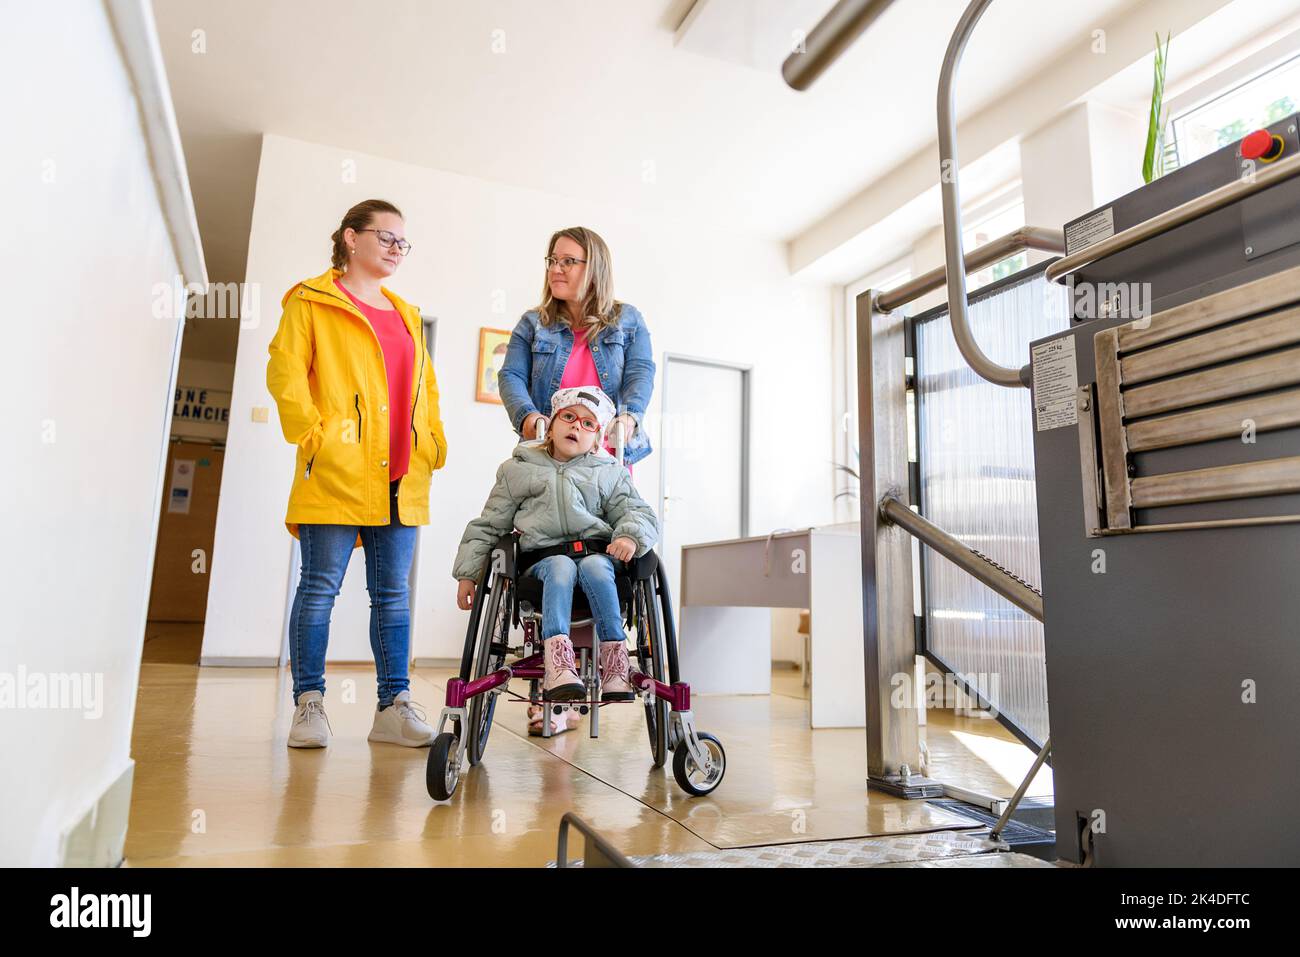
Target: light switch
x: 260, y: 413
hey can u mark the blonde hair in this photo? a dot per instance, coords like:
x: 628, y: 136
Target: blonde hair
x: 600, y: 309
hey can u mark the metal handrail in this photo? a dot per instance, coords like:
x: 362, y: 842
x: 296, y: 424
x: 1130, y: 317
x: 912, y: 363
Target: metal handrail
x: 894, y: 511
x: 1004, y: 247
x: 607, y: 854
x: 952, y: 233
x: 954, y: 252
x: 832, y: 35
x: 1195, y: 208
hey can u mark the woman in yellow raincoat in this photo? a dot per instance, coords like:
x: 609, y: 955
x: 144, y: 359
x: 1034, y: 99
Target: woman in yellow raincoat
x: 357, y: 395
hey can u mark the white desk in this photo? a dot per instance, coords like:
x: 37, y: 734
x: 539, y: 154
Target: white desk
x: 725, y: 632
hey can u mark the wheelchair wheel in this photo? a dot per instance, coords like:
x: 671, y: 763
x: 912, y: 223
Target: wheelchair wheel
x: 693, y: 779
x: 652, y: 661
x: 489, y: 655
x: 441, y: 774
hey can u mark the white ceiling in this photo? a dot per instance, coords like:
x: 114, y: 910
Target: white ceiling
x: 579, y: 95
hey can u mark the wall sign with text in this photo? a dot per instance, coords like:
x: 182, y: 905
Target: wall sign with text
x: 200, y: 406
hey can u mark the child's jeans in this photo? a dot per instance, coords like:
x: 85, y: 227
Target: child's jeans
x: 326, y: 551
x: 595, y: 573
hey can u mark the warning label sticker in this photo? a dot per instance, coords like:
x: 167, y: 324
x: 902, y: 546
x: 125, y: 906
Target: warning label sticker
x: 1056, y: 384
x: 1092, y: 229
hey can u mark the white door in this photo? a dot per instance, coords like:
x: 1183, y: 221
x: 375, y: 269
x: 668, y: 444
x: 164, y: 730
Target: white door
x: 703, y: 445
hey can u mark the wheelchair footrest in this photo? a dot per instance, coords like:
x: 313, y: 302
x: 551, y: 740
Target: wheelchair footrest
x: 563, y: 704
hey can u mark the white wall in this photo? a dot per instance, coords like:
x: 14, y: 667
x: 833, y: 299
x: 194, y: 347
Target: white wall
x: 476, y: 261
x: 1088, y: 155
x: 86, y: 413
x: 1117, y: 140
x: 787, y: 643
x: 1056, y: 171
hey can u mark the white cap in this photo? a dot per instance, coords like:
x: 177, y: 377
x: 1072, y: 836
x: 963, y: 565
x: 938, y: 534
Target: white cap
x: 601, y: 405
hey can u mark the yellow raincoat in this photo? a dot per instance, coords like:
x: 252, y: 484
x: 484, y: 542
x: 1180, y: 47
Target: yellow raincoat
x: 329, y: 382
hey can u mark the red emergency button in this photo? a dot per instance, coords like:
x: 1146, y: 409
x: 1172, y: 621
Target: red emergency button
x: 1262, y: 145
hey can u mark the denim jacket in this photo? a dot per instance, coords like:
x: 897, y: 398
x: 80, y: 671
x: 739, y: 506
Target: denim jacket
x: 537, y: 355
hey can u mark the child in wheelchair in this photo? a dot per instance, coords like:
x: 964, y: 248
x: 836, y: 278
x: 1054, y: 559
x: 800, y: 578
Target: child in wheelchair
x: 567, y: 496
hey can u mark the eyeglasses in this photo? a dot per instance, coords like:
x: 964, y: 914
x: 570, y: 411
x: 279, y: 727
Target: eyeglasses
x: 586, y: 424
x: 567, y: 263
x: 387, y: 239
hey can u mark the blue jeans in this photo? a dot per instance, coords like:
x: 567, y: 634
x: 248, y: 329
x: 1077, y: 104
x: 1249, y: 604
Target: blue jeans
x: 558, y: 575
x: 326, y: 550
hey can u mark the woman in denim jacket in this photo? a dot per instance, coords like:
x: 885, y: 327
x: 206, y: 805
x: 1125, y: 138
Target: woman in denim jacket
x: 580, y: 335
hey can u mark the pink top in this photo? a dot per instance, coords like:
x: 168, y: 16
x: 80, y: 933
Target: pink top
x: 399, y: 359
x: 581, y: 370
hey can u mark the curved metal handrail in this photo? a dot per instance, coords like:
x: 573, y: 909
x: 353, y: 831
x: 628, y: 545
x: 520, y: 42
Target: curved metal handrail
x: 952, y: 242
x: 606, y: 854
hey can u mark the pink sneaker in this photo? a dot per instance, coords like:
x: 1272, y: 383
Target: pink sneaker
x: 614, y: 684
x: 560, y: 680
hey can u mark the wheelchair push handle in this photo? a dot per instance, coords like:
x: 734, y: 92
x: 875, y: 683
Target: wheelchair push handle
x: 540, y: 429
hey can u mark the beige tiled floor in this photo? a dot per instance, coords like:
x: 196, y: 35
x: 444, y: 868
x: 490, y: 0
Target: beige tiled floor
x: 216, y: 785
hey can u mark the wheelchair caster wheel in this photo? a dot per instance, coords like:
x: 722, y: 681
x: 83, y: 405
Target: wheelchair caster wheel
x: 441, y: 774
x: 693, y: 779
x: 674, y: 738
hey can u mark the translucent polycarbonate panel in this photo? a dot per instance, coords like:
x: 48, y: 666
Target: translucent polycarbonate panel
x: 977, y: 482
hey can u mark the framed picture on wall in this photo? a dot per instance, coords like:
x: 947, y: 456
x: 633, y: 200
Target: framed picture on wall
x: 491, y: 356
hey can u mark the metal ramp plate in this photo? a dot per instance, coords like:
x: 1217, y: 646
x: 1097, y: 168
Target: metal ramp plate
x: 930, y: 848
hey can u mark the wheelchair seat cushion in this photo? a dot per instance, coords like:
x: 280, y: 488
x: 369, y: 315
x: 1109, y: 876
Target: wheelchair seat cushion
x: 529, y: 589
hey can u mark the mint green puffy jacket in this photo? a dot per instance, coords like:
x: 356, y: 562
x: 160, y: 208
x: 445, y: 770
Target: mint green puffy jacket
x: 549, y: 502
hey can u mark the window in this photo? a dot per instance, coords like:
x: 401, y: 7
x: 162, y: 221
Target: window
x: 1264, y: 99
x: 990, y: 226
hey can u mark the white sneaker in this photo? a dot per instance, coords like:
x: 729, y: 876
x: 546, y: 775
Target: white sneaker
x: 402, y: 723
x: 310, y: 729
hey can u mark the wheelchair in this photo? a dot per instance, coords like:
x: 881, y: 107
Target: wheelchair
x: 503, y: 642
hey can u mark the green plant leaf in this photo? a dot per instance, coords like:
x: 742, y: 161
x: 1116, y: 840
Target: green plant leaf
x: 1153, y: 158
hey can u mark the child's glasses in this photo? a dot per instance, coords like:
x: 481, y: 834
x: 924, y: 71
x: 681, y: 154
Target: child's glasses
x: 588, y: 425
